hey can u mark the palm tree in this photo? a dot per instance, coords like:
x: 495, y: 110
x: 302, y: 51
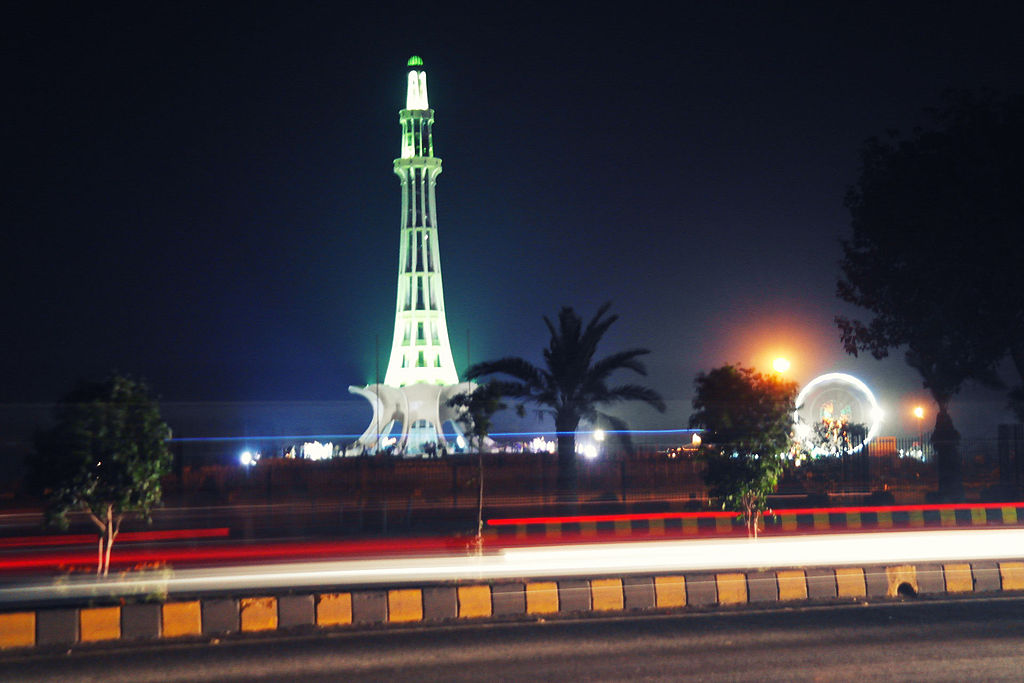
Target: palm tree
x: 572, y: 385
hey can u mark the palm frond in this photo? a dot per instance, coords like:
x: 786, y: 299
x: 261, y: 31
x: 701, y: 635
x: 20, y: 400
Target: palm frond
x: 597, y: 327
x: 513, y: 366
x: 624, y: 360
x: 635, y: 392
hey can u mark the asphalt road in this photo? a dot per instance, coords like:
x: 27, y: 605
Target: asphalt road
x: 949, y: 640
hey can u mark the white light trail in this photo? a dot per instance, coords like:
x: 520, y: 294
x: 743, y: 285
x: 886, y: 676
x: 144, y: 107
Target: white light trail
x: 646, y: 557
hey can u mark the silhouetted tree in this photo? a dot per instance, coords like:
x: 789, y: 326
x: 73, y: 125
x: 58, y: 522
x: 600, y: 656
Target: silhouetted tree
x: 935, y: 256
x: 105, y: 457
x: 479, y: 405
x: 573, y: 385
x: 747, y: 420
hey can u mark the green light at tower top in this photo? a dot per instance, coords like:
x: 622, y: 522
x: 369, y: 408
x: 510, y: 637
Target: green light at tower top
x: 415, y: 60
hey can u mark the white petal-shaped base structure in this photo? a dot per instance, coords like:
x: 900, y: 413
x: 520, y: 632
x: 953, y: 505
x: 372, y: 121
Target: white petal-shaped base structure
x: 421, y: 409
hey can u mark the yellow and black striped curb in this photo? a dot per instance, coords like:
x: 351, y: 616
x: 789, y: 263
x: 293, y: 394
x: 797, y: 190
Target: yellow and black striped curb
x: 944, y: 516
x: 63, y: 626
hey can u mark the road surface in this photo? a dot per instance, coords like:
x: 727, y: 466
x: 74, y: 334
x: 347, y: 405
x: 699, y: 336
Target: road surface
x: 947, y: 640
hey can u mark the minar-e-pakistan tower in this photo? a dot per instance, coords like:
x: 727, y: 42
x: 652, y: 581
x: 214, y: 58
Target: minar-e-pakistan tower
x: 421, y: 375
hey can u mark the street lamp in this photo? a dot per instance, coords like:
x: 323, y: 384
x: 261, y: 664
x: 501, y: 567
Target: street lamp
x: 780, y: 365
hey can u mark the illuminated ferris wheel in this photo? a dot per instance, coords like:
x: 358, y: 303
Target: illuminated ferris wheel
x: 836, y: 396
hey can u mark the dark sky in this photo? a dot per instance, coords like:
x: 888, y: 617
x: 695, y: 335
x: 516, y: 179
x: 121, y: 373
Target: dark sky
x: 202, y: 193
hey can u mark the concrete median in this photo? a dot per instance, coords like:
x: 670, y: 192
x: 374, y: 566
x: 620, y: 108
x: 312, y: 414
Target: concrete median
x: 207, y: 617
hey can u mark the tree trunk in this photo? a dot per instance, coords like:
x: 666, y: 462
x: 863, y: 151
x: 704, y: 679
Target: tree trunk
x: 101, y: 545
x: 109, y: 539
x: 946, y: 442
x: 110, y: 544
x: 750, y: 515
x: 480, y: 498
x: 568, y: 478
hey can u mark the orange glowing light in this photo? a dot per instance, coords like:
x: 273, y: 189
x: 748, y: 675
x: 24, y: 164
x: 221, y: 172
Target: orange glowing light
x: 780, y: 365
x: 918, y: 412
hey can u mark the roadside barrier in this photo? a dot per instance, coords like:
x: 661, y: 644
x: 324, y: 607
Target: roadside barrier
x: 860, y: 518
x: 211, y: 617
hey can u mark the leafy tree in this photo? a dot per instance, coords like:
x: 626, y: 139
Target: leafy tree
x: 747, y: 420
x: 105, y: 457
x: 936, y: 219
x: 572, y: 385
x: 479, y: 405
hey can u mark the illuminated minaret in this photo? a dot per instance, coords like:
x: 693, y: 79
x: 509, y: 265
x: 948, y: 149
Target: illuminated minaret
x: 420, y: 351
x: 421, y: 375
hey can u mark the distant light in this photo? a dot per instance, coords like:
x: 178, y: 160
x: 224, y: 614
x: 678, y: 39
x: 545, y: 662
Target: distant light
x: 460, y: 442
x: 780, y: 365
x: 875, y: 412
x: 919, y: 412
x: 589, y: 451
x: 314, y: 450
x: 599, y: 435
x: 541, y: 445
x: 696, y: 440
x: 249, y: 458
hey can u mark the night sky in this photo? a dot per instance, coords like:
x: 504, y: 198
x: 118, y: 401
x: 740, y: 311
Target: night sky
x: 202, y: 193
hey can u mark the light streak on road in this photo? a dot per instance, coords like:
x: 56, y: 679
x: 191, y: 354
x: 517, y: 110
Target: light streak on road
x: 645, y: 557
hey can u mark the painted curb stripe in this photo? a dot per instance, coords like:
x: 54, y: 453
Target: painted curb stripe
x: 405, y: 604
x: 792, y: 584
x: 899, y: 576
x: 732, y: 588
x: 474, y: 601
x: 471, y: 601
x: 850, y: 582
x: 958, y: 578
x: 258, y: 614
x: 182, y: 619
x: 1012, y: 575
x: 607, y: 595
x: 542, y: 597
x: 17, y: 629
x: 334, y: 609
x: 669, y: 591
x: 657, y: 524
x: 99, y: 623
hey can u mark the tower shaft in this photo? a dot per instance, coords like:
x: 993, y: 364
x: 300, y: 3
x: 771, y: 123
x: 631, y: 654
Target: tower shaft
x: 421, y: 379
x: 420, y: 350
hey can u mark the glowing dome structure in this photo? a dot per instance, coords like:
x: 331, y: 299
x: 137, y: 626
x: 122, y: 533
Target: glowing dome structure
x: 836, y: 395
x: 421, y: 375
